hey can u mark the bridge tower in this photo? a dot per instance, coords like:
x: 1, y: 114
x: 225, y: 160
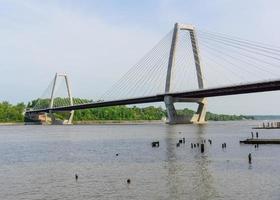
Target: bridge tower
x: 173, y: 116
x: 51, y: 105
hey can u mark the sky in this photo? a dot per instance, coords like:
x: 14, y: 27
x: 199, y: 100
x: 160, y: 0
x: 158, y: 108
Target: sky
x: 96, y: 42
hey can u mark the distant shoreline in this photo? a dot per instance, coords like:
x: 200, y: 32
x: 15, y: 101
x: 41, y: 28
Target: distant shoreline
x: 96, y: 122
x: 118, y: 122
x: 125, y: 122
x: 11, y: 123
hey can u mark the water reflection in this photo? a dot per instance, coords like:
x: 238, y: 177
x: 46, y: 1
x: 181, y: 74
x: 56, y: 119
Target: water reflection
x: 204, y: 185
x: 200, y: 182
x: 173, y: 167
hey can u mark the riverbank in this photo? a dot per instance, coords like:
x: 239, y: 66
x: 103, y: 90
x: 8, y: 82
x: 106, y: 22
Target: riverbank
x: 92, y: 122
x: 11, y: 123
x: 108, y: 122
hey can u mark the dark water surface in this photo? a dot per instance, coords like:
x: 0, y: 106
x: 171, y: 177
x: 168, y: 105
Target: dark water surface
x: 40, y: 162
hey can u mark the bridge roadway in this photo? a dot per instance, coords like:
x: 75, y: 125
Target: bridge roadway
x: 265, y: 86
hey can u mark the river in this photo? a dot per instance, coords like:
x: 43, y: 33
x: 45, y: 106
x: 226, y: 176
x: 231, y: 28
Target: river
x: 40, y: 162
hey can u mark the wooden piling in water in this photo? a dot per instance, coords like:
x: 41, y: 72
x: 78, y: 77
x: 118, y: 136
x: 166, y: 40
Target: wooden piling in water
x: 202, y: 148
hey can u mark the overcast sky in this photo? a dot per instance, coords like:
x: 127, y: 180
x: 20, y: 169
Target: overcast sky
x: 96, y: 42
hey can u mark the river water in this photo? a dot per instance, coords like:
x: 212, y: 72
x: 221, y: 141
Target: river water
x: 40, y: 162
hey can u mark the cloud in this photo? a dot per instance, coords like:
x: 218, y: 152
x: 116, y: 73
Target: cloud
x: 51, y: 39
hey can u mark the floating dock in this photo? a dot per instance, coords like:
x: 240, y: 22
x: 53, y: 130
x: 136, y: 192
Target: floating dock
x: 260, y: 141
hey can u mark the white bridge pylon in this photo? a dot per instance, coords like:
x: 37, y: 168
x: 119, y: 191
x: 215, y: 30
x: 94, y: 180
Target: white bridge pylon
x: 173, y: 116
x: 69, y: 93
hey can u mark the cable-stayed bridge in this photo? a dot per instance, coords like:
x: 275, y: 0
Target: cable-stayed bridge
x: 185, y: 66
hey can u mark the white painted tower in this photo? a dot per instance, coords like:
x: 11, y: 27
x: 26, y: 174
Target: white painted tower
x: 173, y: 117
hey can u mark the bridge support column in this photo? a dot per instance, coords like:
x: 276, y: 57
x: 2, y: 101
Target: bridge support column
x: 200, y: 115
x: 170, y: 109
x: 175, y: 118
x: 55, y: 121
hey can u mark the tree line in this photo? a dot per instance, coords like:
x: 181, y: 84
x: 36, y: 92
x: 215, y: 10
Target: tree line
x: 11, y: 113
x: 15, y: 113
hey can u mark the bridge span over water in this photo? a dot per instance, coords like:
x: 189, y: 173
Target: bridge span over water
x: 168, y: 96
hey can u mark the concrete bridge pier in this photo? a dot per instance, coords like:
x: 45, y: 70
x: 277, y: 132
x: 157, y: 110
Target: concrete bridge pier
x: 48, y: 118
x: 68, y: 121
x: 170, y: 109
x: 175, y: 118
x: 200, y: 115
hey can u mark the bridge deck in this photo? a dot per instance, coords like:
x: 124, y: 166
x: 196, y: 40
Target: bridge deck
x: 211, y: 92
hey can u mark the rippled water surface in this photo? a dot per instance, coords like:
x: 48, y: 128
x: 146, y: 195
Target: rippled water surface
x: 40, y: 162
